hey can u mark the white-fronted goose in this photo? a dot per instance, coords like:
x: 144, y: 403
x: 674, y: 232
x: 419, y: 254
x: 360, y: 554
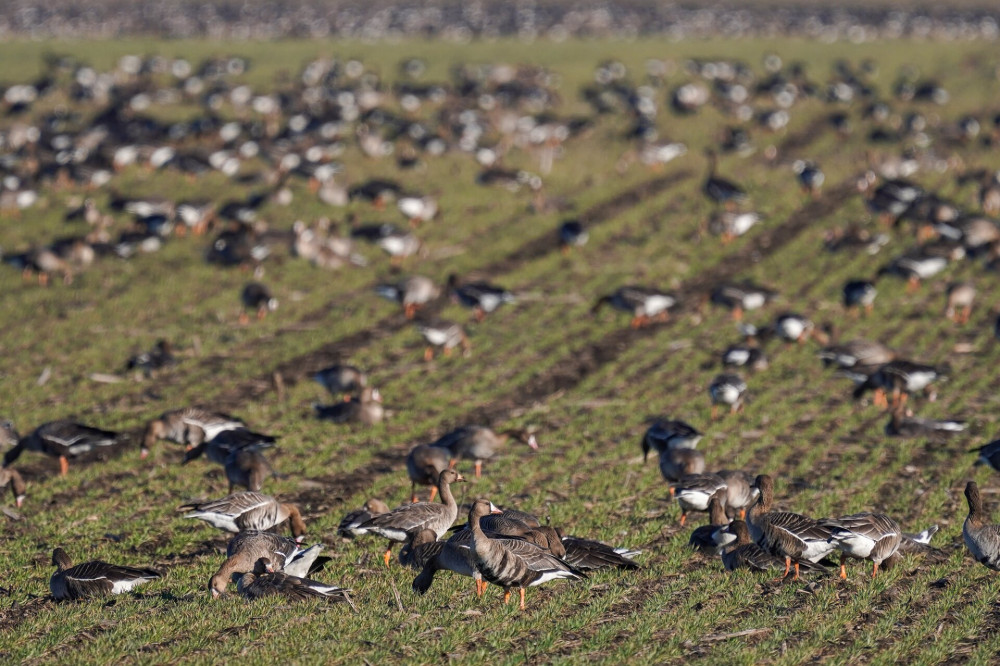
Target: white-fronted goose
x: 572, y: 234
x: 866, y: 536
x: 982, y: 539
x: 258, y: 298
x: 645, y: 304
x: 247, y: 511
x: 588, y: 555
x: 989, y: 454
x: 444, y: 334
x: 720, y: 190
x: 669, y: 434
x: 412, y: 293
x: 247, y: 547
x: 247, y: 468
x: 727, y: 389
x: 424, y: 464
x: 894, y: 381
x: 428, y: 556
x: 341, y: 379
x: 418, y: 209
x: 859, y: 295
x: 794, y: 537
x: 365, y: 408
x: 920, y: 544
x: 160, y: 356
x: 793, y: 327
x: 740, y: 492
x: 93, y: 579
x: 219, y: 448
x: 189, y: 426
x: 729, y: 225
x: 740, y: 297
x: 695, y: 491
x: 512, y: 563
x: 398, y: 524
x: 480, y: 443
x: 744, y: 356
x: 264, y: 581
x: 743, y: 553
x: 61, y: 439
x: 482, y: 297
x: 351, y: 523
x: 859, y: 355
x: 11, y: 477
x: 703, y: 538
x: 961, y: 296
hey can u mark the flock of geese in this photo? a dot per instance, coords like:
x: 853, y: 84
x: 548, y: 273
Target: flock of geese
x: 485, y: 112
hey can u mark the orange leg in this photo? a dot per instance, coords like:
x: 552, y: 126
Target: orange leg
x: 429, y: 354
x: 63, y: 466
x: 743, y: 514
x: 912, y: 284
x: 452, y: 463
x: 480, y: 315
x: 521, y: 590
x: 738, y: 313
x: 434, y: 492
x: 479, y: 469
x: 715, y: 412
x: 409, y: 310
x: 875, y: 570
x: 388, y: 555
x: 413, y: 493
x: 261, y: 313
x: 788, y: 566
x: 796, y: 576
x: 684, y: 517
x: 843, y: 568
x: 506, y: 596
x: 244, y: 319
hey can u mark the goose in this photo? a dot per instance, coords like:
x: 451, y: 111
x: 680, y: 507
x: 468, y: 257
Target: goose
x: 720, y: 190
x: 11, y: 477
x: 961, y: 296
x: 894, y: 381
x: 480, y: 443
x: 665, y: 434
x: 727, y: 389
x: 869, y: 536
x: 859, y: 294
x: 412, y: 293
x: 914, y: 267
x: 350, y: 524
x: 572, y: 234
x: 219, y: 448
x: 520, y: 525
x: 588, y: 555
x: 61, y: 439
x: 247, y: 511
x: 512, y: 563
x: 694, y: 492
x: 444, y: 334
x: 645, y: 304
x: 341, y: 379
x: 418, y: 209
x: 256, y: 296
x: 160, y: 356
x: 428, y: 555
x: 904, y: 424
x: 424, y: 464
x: 248, y: 546
x: 793, y: 327
x: 397, y: 525
x: 264, y: 581
x: 792, y: 536
x: 857, y: 355
x: 745, y: 356
x: 703, y: 538
x: 365, y: 408
x: 399, y: 245
x: 190, y: 426
x: 989, y: 454
x: 741, y: 297
x: 743, y: 553
x: 93, y: 579
x: 247, y: 468
x: 482, y: 297
x: 982, y: 540
x: 740, y: 491
x: 810, y: 176
x: 729, y: 225
x: 893, y: 198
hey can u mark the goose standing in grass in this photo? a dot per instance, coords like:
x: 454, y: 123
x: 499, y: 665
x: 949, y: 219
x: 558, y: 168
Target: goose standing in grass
x: 868, y: 536
x: 572, y: 234
x: 160, y: 356
x: 645, y: 304
x: 63, y: 439
x: 258, y: 298
x: 729, y: 225
x: 351, y: 523
x: 264, y: 581
x: 859, y: 295
x: 893, y: 382
x: 399, y: 524
x: 743, y: 553
x: 247, y: 468
x: 857, y: 355
x: 719, y: 190
x: 424, y: 464
x: 247, y: 511
x: 93, y: 579
x: 412, y: 293
x: 418, y: 209
x: 741, y: 297
x: 982, y: 539
x: 445, y: 334
x: 703, y: 537
x: 513, y: 563
x: 247, y: 547
x: 674, y: 441
x: 792, y: 536
x: 346, y: 380
x: 729, y: 390
x: 481, y: 296
x: 480, y: 443
x: 11, y: 477
x: 741, y: 493
x: 694, y: 492
x: 190, y: 426
x: 961, y: 296
x: 793, y: 327
x: 810, y: 176
x: 365, y: 408
x: 428, y: 555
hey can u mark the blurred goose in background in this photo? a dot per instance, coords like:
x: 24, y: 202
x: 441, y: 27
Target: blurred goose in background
x: 63, y: 439
x: 904, y: 424
x: 11, y: 477
x: 981, y: 538
x: 741, y: 493
x: 961, y: 296
x: 867, y: 536
x: 665, y: 434
x: 248, y: 546
x: 729, y: 225
x: 480, y: 443
x: 226, y: 442
x: 412, y: 293
x: 859, y: 295
x: 572, y: 234
x: 741, y: 297
x: 424, y: 464
x: 345, y: 380
x: 190, y: 426
x: 257, y: 297
x: 365, y: 408
x: 247, y: 511
x: 247, y: 468
x: 94, y: 579
x: 695, y: 491
x: 264, y: 581
x: 719, y: 190
x: 793, y: 327
x: 810, y: 176
x: 481, y: 296
x: 729, y: 390
x: 444, y: 334
x: 418, y: 209
x: 894, y: 381
x: 862, y: 356
x: 350, y: 524
x: 645, y: 304
x: 160, y: 356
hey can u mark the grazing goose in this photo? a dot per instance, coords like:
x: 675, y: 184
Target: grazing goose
x: 482, y: 297
x: 894, y: 381
x: 729, y: 225
x: 412, y: 293
x: 398, y: 524
x: 219, y: 448
x: 399, y: 245
x: 351, y: 523
x: 743, y: 553
x: 741, y: 297
x: 961, y: 296
x: 428, y: 556
x: 703, y: 538
x: 247, y: 468
x: 744, y: 356
x: 444, y: 334
x: 857, y: 355
x: 915, y: 266
x: 342, y: 379
x: 520, y: 525
x: 247, y: 547
x: 572, y: 234
x: 418, y: 209
x: 810, y: 176
x: 860, y: 294
x: 982, y: 540
x: 160, y: 356
x: 793, y: 327
x: 189, y: 426
x: 794, y: 537
x: 868, y: 536
x: 989, y: 454
x: 720, y: 190
x: 247, y: 511
x: 10, y: 476
x: 727, y: 389
x: 588, y: 555
x: 669, y: 434
x: 424, y: 464
x: 366, y: 408
x: 740, y: 492
x: 512, y: 563
x: 256, y: 296
x: 264, y: 581
x: 694, y: 492
x: 905, y: 424
x: 480, y: 443
x: 645, y: 304
x: 93, y: 579
x: 61, y: 439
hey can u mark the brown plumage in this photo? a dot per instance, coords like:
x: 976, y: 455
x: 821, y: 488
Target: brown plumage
x: 428, y: 556
x: 247, y: 468
x: 703, y: 538
x: 247, y: 511
x: 365, y: 408
x: 189, y: 426
x: 480, y: 443
x: 743, y: 553
x: 60, y: 439
x: 587, y: 555
x: 424, y: 464
x: 247, y: 547
x: 93, y: 579
x: 11, y: 477
x: 264, y: 581
x: 870, y: 536
x: 740, y: 492
x: 350, y: 524
x: 981, y: 538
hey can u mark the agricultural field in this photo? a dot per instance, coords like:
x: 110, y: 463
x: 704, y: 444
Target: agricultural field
x: 588, y: 384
